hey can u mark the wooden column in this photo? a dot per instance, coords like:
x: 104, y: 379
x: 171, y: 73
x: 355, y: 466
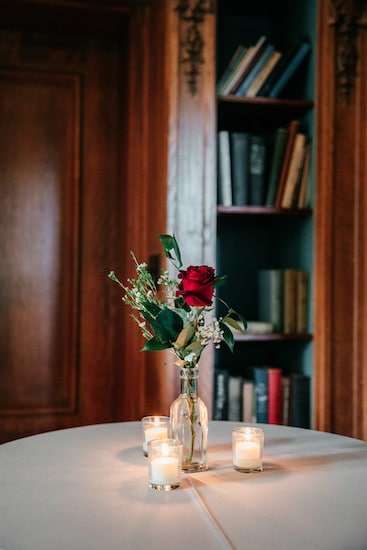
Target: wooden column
x: 341, y: 215
x: 191, y: 166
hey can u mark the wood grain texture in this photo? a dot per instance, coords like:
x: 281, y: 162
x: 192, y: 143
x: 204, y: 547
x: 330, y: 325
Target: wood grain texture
x: 340, y: 273
x: 65, y: 218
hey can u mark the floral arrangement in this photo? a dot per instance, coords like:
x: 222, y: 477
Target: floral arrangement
x: 176, y: 314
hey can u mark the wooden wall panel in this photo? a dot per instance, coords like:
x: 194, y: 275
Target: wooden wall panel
x: 39, y: 156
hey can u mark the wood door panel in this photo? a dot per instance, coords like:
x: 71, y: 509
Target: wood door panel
x: 39, y: 155
x: 62, y: 167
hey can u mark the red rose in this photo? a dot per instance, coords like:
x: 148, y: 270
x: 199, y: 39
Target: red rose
x: 197, y: 285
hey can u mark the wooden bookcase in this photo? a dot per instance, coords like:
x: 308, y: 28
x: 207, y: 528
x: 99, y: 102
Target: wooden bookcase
x: 250, y: 238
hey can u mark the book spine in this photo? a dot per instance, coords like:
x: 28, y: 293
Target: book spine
x: 240, y: 145
x: 254, y: 53
x: 237, y: 72
x: 261, y: 393
x: 280, y: 143
x: 290, y: 70
x: 220, y: 402
x: 247, y: 401
x: 302, y: 302
x: 235, y: 60
x: 258, y: 65
x: 234, y: 398
x: 257, y: 169
x: 300, y: 401
x: 294, y: 171
x: 286, y: 392
x: 275, y: 396
x: 303, y: 187
x: 256, y: 85
x: 290, y: 301
x: 224, y: 169
x: 271, y: 297
x: 292, y: 132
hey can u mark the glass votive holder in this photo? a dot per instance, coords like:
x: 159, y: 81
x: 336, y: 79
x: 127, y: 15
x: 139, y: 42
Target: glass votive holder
x: 154, y: 427
x: 247, y: 449
x: 165, y: 464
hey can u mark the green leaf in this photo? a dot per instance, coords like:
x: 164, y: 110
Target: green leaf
x: 237, y: 325
x: 151, y: 309
x: 155, y: 345
x: 220, y: 281
x: 227, y: 335
x: 185, y: 336
x: 195, y: 347
x: 166, y: 326
x: 169, y: 243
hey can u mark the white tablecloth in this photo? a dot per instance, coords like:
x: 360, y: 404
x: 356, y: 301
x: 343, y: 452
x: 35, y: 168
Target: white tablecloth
x: 87, y: 489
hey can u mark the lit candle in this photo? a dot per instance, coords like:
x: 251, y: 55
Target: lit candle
x: 165, y: 471
x: 158, y: 432
x: 247, y: 455
x: 247, y: 449
x: 165, y: 460
x: 154, y: 427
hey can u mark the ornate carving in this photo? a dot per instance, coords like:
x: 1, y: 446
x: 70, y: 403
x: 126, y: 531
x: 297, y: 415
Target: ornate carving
x: 192, y: 14
x: 345, y: 18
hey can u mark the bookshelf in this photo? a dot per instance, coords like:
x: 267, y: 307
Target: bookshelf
x: 251, y: 238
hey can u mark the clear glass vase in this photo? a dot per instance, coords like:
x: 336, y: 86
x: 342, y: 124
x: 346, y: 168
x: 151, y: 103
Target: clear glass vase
x: 189, y: 422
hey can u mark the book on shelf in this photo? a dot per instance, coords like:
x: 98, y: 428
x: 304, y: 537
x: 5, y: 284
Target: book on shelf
x: 277, y: 157
x: 220, y: 400
x: 231, y: 67
x: 302, y: 292
x: 283, y: 299
x: 257, y: 169
x: 259, y: 327
x: 302, y: 197
x: 288, y: 199
x: 271, y: 296
x: 248, y: 401
x: 261, y: 388
x: 286, y: 393
x: 245, y: 65
x: 275, y: 395
x: 301, y: 184
x: 290, y: 301
x: 224, y: 169
x: 263, y: 74
x: 283, y: 71
x: 239, y: 151
x: 234, y: 398
x: 298, y: 56
x: 292, y: 132
x: 270, y: 397
x: 300, y: 393
x: 260, y: 62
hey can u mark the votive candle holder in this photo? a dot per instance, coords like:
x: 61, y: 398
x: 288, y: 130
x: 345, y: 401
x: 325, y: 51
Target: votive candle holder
x: 247, y: 449
x: 165, y: 464
x: 154, y: 427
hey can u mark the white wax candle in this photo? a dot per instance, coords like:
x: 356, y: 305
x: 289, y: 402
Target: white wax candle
x: 165, y: 470
x: 157, y: 432
x: 247, y: 455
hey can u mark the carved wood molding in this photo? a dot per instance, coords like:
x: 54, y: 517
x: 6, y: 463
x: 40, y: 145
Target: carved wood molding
x: 192, y: 14
x: 346, y: 20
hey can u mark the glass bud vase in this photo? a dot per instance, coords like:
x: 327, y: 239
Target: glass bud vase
x: 189, y: 422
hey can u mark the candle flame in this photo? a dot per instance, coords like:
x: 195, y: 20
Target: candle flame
x: 165, y: 449
x: 247, y: 434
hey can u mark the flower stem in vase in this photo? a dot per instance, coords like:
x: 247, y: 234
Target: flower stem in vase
x: 189, y: 422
